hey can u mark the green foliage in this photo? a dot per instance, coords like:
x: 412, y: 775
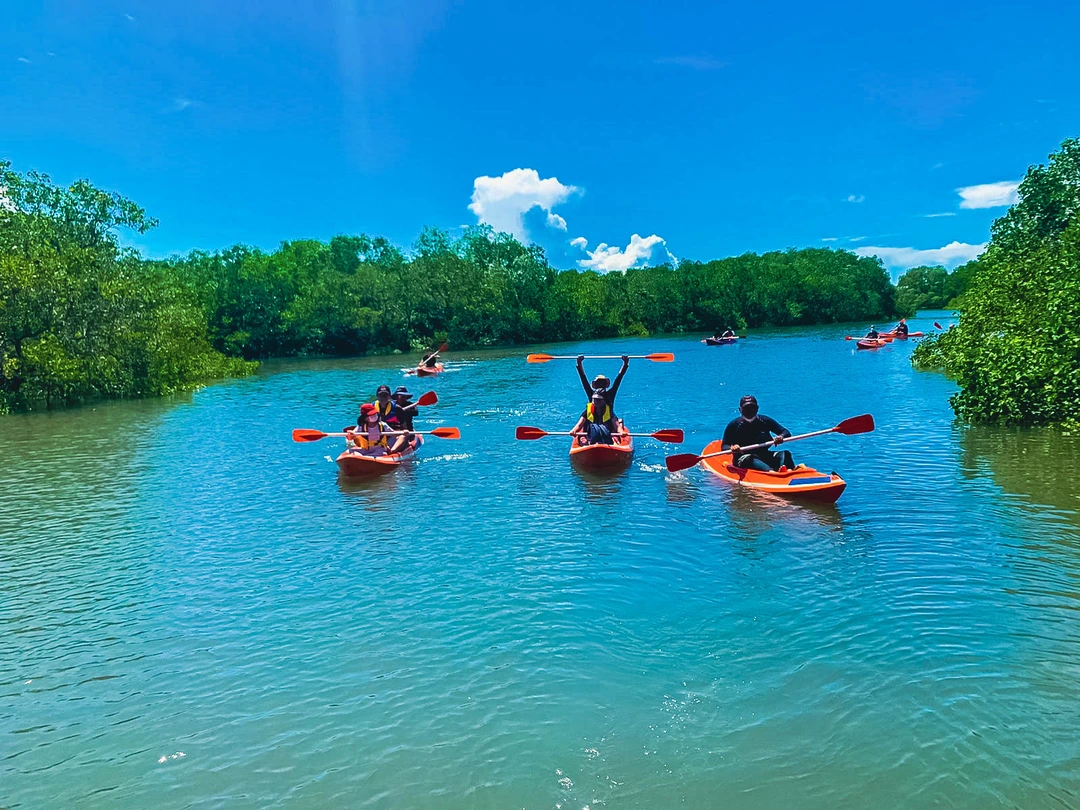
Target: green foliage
x: 1016, y: 350
x: 80, y: 318
x: 933, y: 288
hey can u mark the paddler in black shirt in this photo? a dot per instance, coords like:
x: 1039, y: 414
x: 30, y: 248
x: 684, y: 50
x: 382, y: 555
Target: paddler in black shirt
x: 754, y: 428
x: 601, y: 384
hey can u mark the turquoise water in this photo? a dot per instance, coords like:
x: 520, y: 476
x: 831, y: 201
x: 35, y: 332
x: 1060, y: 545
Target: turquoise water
x: 195, y: 612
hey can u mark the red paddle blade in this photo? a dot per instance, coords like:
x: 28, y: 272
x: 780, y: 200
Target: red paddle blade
x: 661, y: 357
x: 937, y: 325
x: 538, y: 358
x: 444, y: 347
x: 529, y: 433
x: 673, y: 436
x: 446, y: 433
x: 855, y: 425
x: 430, y: 398
x: 301, y: 435
x: 683, y: 461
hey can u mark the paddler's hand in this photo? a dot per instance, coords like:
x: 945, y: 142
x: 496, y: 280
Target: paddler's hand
x: 735, y: 450
x: 778, y: 440
x: 625, y: 360
x: 580, y: 360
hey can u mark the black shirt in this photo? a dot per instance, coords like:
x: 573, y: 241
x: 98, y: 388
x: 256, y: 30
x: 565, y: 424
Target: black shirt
x: 744, y: 432
x: 607, y: 393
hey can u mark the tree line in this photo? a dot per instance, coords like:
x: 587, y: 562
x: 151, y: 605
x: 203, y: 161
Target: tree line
x: 1016, y: 350
x: 83, y: 318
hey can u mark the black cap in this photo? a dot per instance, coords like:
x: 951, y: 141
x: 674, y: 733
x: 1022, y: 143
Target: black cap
x: 749, y: 398
x: 382, y: 388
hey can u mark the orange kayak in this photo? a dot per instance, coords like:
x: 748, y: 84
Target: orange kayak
x: 868, y: 343
x: 803, y: 483
x: 603, y: 456
x: 354, y: 464
x: 425, y: 371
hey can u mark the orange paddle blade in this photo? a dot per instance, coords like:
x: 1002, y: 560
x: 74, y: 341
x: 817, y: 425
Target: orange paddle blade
x: 538, y: 358
x: 856, y: 425
x: 301, y: 435
x: 661, y: 357
x: 673, y: 436
x: 446, y: 433
x: 683, y: 461
x: 430, y: 398
x: 529, y: 433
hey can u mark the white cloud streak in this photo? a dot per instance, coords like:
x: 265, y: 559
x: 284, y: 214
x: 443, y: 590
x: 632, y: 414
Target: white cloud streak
x: 502, y: 202
x: 989, y: 195
x: 953, y: 254
x: 856, y: 198
x: 607, y: 258
x: 942, y: 214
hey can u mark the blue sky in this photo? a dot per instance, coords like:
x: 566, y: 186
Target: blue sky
x: 706, y: 130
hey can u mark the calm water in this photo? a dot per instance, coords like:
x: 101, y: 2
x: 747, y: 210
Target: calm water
x: 194, y: 612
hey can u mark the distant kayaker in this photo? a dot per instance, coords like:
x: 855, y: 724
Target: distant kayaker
x: 601, y: 384
x: 754, y: 428
x: 430, y: 360
x: 370, y: 436
x: 901, y: 329
x: 597, y: 423
x: 728, y: 333
x: 873, y: 333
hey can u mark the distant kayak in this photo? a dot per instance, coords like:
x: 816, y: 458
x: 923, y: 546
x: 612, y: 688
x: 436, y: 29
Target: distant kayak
x: 714, y: 341
x: 802, y: 483
x: 869, y: 343
x: 898, y: 336
x: 603, y: 456
x: 354, y: 464
x: 429, y: 371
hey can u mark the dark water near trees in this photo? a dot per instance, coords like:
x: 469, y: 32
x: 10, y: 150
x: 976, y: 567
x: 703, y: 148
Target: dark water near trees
x: 194, y: 612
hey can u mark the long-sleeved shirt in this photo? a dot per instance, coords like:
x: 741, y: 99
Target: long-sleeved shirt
x: 744, y: 432
x: 608, y: 393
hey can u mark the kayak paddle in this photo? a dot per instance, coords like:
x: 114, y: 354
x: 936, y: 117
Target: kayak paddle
x: 849, y: 427
x: 529, y: 433
x: 937, y: 325
x: 658, y: 357
x: 887, y: 338
x: 304, y: 435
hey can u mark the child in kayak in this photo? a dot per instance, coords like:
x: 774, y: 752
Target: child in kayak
x: 754, y: 428
x: 601, y: 383
x: 597, y: 424
x: 370, y: 436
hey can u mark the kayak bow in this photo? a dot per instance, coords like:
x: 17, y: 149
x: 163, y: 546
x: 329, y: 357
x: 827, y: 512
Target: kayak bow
x: 603, y: 456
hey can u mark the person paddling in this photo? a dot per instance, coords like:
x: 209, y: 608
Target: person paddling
x: 873, y: 333
x: 430, y: 360
x: 406, y: 410
x: 389, y: 411
x: 597, y: 423
x: 901, y: 329
x: 601, y: 383
x: 749, y: 428
x: 370, y: 437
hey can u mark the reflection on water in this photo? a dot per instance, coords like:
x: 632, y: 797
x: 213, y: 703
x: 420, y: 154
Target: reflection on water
x: 489, y: 627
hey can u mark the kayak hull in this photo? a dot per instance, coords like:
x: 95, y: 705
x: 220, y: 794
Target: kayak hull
x: 802, y: 484
x: 603, y: 456
x: 869, y: 344
x: 719, y: 341
x: 424, y: 371
x: 353, y: 464
x: 898, y: 336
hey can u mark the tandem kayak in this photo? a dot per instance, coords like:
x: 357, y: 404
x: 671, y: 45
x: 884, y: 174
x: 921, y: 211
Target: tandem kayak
x: 354, y: 464
x: 714, y: 341
x: 898, y: 336
x: 868, y: 343
x: 802, y: 483
x: 429, y: 371
x: 603, y: 456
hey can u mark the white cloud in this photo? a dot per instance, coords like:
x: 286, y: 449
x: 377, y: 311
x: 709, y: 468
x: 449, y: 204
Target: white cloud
x: 580, y: 242
x: 607, y: 258
x: 855, y: 238
x: 953, y: 254
x: 988, y: 195
x: 130, y: 18
x: 942, y: 214
x: 182, y: 104
x: 853, y: 198
x: 501, y: 202
x: 829, y: 238
x: 24, y: 60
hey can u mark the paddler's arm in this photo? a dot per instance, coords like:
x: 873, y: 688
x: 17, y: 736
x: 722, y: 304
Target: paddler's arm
x: 775, y: 427
x: 618, y: 378
x: 579, y: 426
x: 581, y: 374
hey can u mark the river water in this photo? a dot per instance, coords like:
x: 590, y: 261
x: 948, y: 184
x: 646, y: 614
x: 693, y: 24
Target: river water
x: 195, y: 612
